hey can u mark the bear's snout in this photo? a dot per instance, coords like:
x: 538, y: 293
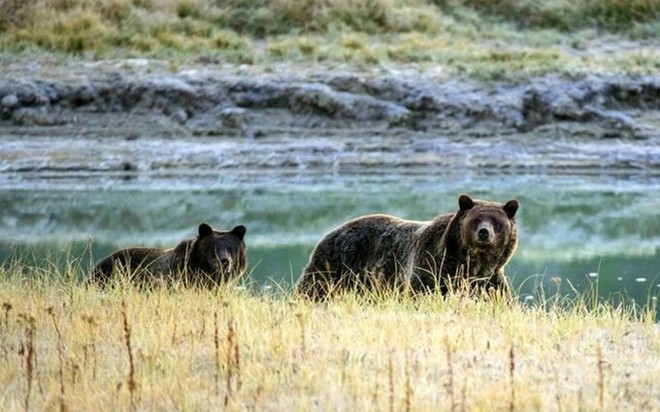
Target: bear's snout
x: 225, y: 260
x: 225, y: 263
x: 484, y: 233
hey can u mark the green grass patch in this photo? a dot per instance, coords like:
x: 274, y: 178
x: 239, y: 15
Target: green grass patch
x: 567, y: 15
x: 484, y: 38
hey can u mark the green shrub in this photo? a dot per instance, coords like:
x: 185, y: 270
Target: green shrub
x: 617, y: 15
x: 150, y: 26
x: 14, y: 12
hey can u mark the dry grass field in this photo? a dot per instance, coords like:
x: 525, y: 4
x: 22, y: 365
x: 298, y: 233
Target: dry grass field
x: 67, y: 347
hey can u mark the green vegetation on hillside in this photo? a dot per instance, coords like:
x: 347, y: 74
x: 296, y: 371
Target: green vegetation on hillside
x: 461, y: 34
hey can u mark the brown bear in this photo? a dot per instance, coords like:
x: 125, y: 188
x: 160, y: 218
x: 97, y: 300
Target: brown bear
x: 470, y: 246
x: 213, y: 257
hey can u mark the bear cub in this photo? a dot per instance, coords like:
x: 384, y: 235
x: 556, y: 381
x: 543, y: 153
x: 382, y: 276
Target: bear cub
x: 211, y: 258
x: 469, y: 247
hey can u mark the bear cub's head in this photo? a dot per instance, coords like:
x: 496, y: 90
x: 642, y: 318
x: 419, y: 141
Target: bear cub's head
x: 487, y: 225
x: 220, y: 255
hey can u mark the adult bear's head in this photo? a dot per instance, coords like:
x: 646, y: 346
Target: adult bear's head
x: 487, y: 225
x: 219, y: 256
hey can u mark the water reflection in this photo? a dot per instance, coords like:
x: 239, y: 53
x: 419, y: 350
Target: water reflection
x: 580, y: 228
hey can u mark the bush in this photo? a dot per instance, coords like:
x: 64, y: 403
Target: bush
x: 14, y: 12
x: 81, y: 26
x: 615, y: 15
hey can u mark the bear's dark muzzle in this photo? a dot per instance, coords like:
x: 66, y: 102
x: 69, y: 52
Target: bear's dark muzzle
x: 483, y: 235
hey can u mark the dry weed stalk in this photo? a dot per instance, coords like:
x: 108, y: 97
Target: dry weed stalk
x: 237, y: 361
x: 30, y: 356
x: 512, y: 369
x: 409, y: 388
x: 216, y: 344
x: 132, y: 385
x: 580, y: 401
x: 7, y: 307
x: 229, y: 363
x: 91, y: 345
x: 374, y: 395
x: 558, y: 400
x: 233, y: 361
x: 174, y: 337
x: 558, y: 392
x: 450, y: 375
x: 390, y: 379
x: 602, y: 363
x: 60, y: 357
x: 202, y: 331
x: 75, y: 371
x: 301, y: 322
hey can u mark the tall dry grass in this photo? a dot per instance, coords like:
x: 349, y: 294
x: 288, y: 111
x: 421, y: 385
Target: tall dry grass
x: 66, y: 347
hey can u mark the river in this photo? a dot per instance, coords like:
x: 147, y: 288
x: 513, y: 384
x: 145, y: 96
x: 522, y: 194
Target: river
x: 114, y: 155
x: 591, y: 230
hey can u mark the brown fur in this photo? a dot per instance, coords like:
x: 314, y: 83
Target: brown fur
x: 377, y: 251
x: 213, y: 257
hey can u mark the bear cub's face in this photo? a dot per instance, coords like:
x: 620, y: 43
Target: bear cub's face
x: 219, y: 254
x: 486, y: 225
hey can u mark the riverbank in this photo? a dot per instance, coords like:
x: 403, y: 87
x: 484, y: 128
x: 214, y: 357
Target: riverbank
x: 140, y: 115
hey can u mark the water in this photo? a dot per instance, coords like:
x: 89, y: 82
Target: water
x: 586, y: 229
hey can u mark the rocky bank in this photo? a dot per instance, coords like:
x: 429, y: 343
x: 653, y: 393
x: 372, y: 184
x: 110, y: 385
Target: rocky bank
x: 140, y: 115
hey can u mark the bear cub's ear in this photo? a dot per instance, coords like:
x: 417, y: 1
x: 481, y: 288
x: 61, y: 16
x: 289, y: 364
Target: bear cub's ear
x: 510, y: 208
x: 239, y: 231
x: 205, y: 230
x: 465, y: 202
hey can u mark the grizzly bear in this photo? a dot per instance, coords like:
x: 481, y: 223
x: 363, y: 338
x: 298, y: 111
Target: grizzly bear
x: 468, y: 247
x: 211, y: 258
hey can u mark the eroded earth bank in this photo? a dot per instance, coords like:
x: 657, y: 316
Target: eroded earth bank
x: 142, y: 115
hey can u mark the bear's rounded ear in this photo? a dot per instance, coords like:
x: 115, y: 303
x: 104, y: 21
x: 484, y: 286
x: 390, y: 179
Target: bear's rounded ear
x: 510, y: 208
x: 465, y: 202
x: 239, y: 231
x: 205, y: 230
